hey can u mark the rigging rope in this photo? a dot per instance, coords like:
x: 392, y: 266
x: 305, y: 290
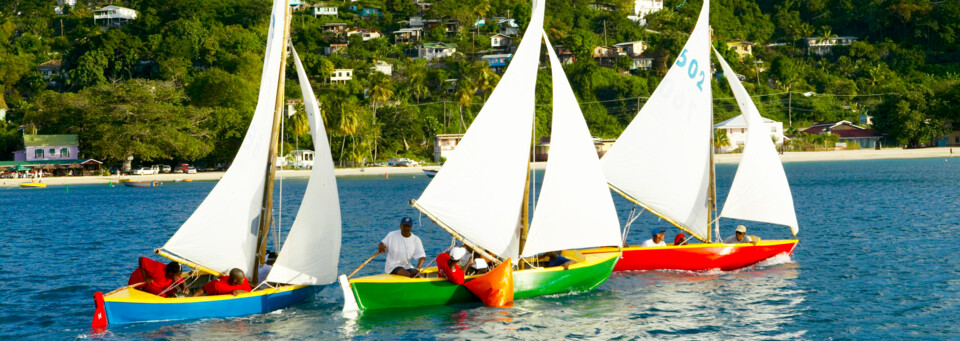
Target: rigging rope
x: 276, y: 236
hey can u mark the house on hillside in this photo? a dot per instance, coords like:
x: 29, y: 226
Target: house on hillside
x: 51, y: 70
x: 408, y: 35
x: 424, y: 6
x: 297, y: 5
x: 335, y: 27
x: 48, y: 147
x: 564, y: 55
x: 335, y: 48
x: 113, y: 16
x: 848, y: 132
x: 444, y: 145
x: 630, y: 49
x: 323, y: 10
x: 641, y: 8
x: 370, y: 12
x: 820, y: 46
x: 433, y: 51
x: 382, y: 67
x: 743, y: 48
x: 508, y: 27
x: 341, y: 76
x: 736, y: 130
x: 451, y: 26
x: 500, y: 41
x: 364, y: 33
x: 497, y: 62
x: 426, y: 24
x: 542, y: 149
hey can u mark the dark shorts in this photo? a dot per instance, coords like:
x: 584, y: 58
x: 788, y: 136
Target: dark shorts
x: 410, y: 270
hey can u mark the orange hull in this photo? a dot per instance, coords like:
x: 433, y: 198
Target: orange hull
x: 698, y: 257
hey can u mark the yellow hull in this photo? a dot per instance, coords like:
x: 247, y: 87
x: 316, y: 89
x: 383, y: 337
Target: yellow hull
x: 33, y: 185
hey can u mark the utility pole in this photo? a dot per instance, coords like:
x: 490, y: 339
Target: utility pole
x: 605, y: 33
x: 790, y: 108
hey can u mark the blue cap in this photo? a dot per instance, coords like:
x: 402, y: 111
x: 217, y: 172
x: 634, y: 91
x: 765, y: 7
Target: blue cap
x: 406, y: 221
x: 657, y: 231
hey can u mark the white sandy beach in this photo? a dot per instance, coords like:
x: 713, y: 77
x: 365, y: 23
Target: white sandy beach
x: 847, y: 155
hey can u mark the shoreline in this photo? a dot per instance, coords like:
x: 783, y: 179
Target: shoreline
x: 844, y: 155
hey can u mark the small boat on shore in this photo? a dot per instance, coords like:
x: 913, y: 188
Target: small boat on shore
x: 33, y: 185
x: 142, y: 184
x: 430, y: 172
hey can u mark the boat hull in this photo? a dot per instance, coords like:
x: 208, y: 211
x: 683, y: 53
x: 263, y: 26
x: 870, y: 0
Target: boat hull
x: 33, y: 185
x: 140, y: 184
x: 698, y: 257
x: 129, y: 305
x: 391, y: 291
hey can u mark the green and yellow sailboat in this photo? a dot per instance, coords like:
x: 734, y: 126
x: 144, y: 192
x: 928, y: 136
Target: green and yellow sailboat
x: 484, y: 204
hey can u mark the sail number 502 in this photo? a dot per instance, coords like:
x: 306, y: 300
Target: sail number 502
x: 692, y: 69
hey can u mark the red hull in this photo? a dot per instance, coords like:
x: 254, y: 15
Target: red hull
x: 698, y: 257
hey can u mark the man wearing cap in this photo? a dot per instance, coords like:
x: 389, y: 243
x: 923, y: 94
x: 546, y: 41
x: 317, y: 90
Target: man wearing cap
x: 741, y: 237
x: 401, y: 246
x: 657, y: 238
x: 447, y: 265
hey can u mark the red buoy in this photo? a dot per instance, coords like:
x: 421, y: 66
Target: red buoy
x: 387, y: 175
x: 99, y: 314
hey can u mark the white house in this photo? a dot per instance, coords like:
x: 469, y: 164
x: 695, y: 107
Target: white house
x: 434, y: 51
x: 631, y: 48
x: 113, y: 16
x: 364, y: 33
x: 444, y: 145
x: 341, y: 76
x: 822, y: 46
x: 321, y: 10
x: 643, y: 7
x: 382, y: 67
x: 500, y: 41
x: 408, y: 35
x: 507, y: 26
x: 301, y: 159
x: 736, y: 129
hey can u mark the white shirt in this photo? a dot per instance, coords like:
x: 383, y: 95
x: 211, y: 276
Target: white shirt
x: 400, y: 250
x: 733, y: 240
x: 264, y: 271
x: 650, y: 243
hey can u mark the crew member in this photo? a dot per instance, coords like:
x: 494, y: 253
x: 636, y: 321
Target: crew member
x: 681, y: 239
x: 233, y: 283
x: 741, y: 237
x: 447, y: 265
x: 555, y: 259
x: 657, y: 238
x: 158, y: 279
x: 401, y: 246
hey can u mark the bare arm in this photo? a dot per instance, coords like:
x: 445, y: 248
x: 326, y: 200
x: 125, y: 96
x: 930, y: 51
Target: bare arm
x: 381, y: 248
x: 420, y: 263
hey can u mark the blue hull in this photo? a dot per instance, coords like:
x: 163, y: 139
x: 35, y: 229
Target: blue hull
x: 186, y: 309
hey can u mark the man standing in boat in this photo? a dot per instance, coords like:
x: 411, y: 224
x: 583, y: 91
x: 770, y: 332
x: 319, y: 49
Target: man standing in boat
x: 401, y: 246
x: 741, y: 237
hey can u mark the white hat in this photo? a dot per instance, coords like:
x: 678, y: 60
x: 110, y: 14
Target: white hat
x: 457, y: 253
x: 741, y: 228
x: 479, y: 264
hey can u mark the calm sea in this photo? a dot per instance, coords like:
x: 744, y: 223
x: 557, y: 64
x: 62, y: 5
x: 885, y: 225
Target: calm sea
x: 877, y: 259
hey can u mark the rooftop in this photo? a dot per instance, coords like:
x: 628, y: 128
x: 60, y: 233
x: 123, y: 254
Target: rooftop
x: 50, y: 140
x: 737, y: 122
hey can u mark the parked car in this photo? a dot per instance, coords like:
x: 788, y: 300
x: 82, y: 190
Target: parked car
x: 402, y: 162
x: 146, y: 171
x: 190, y: 170
x: 181, y: 168
x: 165, y: 168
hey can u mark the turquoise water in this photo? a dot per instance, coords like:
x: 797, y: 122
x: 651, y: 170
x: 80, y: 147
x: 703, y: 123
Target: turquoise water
x: 877, y: 259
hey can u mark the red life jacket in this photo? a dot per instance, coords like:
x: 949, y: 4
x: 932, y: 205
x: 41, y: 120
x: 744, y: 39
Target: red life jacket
x: 454, y: 275
x: 222, y: 286
x: 156, y: 272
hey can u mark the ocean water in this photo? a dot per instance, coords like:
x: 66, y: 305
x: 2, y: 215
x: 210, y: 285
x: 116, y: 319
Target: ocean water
x: 877, y: 259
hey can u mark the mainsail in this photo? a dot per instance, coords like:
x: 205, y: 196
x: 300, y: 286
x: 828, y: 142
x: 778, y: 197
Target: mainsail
x: 575, y: 209
x: 479, y: 191
x: 662, y: 159
x: 311, y: 250
x: 760, y: 191
x: 222, y: 233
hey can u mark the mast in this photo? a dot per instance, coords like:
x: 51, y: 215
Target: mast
x: 525, y: 211
x: 712, y: 187
x: 266, y: 211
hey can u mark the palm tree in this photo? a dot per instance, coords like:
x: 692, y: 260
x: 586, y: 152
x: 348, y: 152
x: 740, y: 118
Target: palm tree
x: 465, y: 91
x: 827, y: 35
x: 806, y: 31
x: 416, y: 78
x: 486, y: 81
x: 720, y: 139
x: 301, y: 126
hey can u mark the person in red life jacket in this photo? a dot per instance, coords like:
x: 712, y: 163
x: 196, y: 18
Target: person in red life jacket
x: 681, y: 239
x: 448, y: 267
x: 157, y: 278
x: 234, y: 283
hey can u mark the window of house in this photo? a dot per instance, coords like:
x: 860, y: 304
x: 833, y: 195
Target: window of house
x: 773, y: 129
x: 38, y: 153
x: 53, y: 152
x: 64, y: 152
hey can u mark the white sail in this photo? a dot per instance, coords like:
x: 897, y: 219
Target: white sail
x: 479, y: 191
x: 575, y: 209
x: 311, y: 250
x: 662, y: 160
x: 760, y: 191
x: 222, y: 233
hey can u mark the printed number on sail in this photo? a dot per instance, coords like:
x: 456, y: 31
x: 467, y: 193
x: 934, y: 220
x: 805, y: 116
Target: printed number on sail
x: 692, y: 68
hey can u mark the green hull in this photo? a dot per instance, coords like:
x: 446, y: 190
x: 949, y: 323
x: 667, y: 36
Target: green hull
x: 386, y: 291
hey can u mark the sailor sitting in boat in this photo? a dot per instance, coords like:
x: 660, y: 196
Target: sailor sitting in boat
x: 741, y: 237
x: 267, y: 266
x: 555, y: 259
x: 234, y: 283
x: 447, y: 265
x: 658, y: 234
x: 158, y: 279
x: 475, y: 264
x: 402, y: 245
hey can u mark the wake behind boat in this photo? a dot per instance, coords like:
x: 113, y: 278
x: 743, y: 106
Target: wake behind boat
x: 676, y: 181
x: 229, y: 229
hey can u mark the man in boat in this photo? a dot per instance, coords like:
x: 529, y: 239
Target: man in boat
x: 555, y: 259
x: 741, y: 237
x: 158, y: 279
x: 233, y: 283
x: 448, y: 267
x: 401, y: 246
x: 657, y: 238
x: 267, y: 266
x: 681, y: 239
x: 474, y: 263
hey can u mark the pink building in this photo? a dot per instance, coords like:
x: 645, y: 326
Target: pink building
x: 48, y: 147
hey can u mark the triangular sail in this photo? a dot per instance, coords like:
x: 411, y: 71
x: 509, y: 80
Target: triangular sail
x: 479, y: 191
x: 760, y: 191
x: 575, y: 209
x: 662, y: 160
x: 311, y: 250
x: 222, y: 233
